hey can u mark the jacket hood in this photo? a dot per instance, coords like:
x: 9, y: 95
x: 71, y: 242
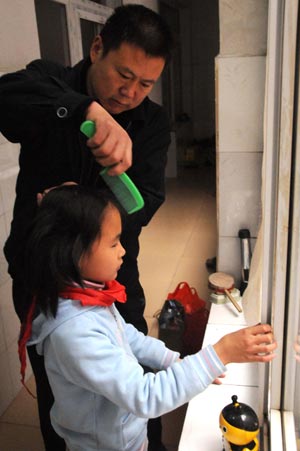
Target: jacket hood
x: 43, y: 326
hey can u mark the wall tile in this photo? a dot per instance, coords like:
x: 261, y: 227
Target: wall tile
x: 7, y: 187
x: 14, y: 367
x: 10, y: 375
x: 239, y: 181
x: 23, y: 410
x: 10, y: 321
x: 2, y: 337
x: 243, y: 27
x: 229, y: 257
x: 9, y: 154
x: 5, y: 293
x: 240, y: 102
x: 6, y: 391
x: 3, y: 140
x: 7, y: 221
x: 18, y: 16
x: 1, y: 204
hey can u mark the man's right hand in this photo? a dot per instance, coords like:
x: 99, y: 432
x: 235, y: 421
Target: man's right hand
x: 111, y: 144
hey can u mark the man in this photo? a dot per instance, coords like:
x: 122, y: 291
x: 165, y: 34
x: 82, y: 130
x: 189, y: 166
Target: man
x: 43, y: 106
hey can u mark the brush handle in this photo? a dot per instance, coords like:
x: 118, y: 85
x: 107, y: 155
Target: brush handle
x: 231, y: 298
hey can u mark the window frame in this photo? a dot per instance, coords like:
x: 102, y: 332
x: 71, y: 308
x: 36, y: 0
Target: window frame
x: 82, y: 9
x: 281, y: 229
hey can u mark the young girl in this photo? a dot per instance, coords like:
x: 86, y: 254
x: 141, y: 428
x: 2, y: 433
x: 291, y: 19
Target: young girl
x: 92, y: 357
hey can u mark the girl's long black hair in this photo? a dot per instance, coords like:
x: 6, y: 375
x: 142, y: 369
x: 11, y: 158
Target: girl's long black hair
x: 67, y: 223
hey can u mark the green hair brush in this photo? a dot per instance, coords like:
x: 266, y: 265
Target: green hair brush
x: 121, y: 185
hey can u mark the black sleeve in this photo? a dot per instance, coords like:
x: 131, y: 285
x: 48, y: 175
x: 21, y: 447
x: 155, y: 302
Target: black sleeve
x: 38, y: 97
x: 149, y: 162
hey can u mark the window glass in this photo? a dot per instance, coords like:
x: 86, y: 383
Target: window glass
x: 53, y: 31
x: 67, y: 27
x: 110, y: 3
x: 297, y: 388
x: 89, y: 30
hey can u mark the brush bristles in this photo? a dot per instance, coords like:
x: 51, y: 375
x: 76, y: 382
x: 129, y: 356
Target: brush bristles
x: 129, y: 201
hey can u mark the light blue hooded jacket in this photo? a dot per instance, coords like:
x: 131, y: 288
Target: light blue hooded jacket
x: 103, y: 399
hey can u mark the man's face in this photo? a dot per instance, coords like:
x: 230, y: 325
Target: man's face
x: 123, y: 78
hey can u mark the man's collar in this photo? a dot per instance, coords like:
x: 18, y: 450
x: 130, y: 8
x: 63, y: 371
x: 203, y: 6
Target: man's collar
x: 137, y: 114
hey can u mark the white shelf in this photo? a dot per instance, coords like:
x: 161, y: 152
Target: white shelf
x: 201, y: 425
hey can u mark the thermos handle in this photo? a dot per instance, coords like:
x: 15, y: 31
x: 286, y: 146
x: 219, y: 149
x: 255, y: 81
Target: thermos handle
x: 244, y: 235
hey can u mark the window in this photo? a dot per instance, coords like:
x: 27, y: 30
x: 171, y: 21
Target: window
x: 53, y: 32
x: 281, y: 235
x: 291, y: 362
x: 67, y: 27
x: 89, y: 30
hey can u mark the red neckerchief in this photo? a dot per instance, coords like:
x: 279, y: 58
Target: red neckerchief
x: 113, y: 291
x: 97, y: 295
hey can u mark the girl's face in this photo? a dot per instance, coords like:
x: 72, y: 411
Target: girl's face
x: 104, y: 260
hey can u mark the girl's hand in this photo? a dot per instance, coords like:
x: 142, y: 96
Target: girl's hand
x: 218, y: 381
x: 251, y: 344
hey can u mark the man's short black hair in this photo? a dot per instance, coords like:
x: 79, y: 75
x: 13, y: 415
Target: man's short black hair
x: 138, y: 26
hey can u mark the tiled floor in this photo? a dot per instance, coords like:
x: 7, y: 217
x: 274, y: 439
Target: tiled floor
x: 174, y: 248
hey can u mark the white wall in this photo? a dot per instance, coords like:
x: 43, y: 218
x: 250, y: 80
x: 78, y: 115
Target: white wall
x: 240, y: 84
x: 18, y: 45
x: 18, y: 34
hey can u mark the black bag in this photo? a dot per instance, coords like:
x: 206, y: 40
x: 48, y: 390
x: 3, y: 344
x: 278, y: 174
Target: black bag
x: 171, y: 324
x: 196, y: 317
x: 183, y: 319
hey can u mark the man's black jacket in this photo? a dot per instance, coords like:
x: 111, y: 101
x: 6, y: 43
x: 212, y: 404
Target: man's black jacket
x: 53, y: 149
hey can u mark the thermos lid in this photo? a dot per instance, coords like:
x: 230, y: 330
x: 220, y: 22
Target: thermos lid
x: 244, y: 233
x: 240, y: 415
